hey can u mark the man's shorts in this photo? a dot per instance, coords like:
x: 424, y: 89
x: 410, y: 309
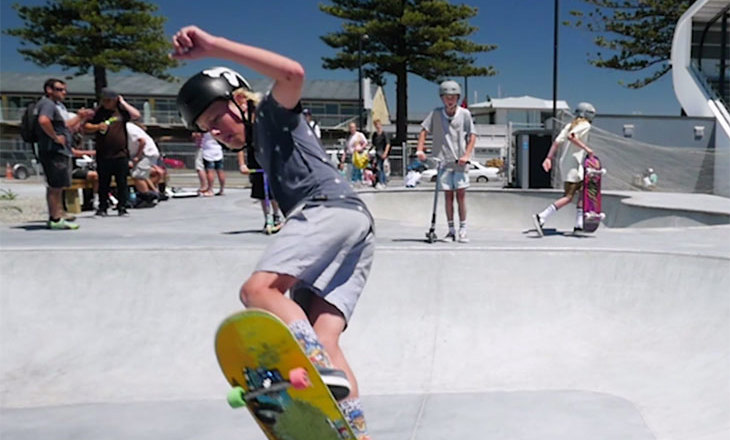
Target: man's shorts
x: 329, y: 250
x: 452, y: 180
x: 570, y: 188
x: 142, y: 168
x: 213, y: 164
x: 57, y: 168
x: 257, y: 186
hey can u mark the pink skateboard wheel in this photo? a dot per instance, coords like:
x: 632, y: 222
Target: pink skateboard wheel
x: 299, y: 379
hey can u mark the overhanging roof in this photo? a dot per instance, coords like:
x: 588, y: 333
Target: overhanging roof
x: 521, y: 103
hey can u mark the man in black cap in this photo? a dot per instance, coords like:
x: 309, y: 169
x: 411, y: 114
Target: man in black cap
x: 112, y: 156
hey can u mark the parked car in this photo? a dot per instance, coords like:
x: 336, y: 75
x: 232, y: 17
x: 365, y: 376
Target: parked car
x: 22, y: 163
x: 477, y: 173
x: 173, y: 163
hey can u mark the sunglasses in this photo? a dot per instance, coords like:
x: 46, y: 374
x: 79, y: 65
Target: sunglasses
x: 60, y: 89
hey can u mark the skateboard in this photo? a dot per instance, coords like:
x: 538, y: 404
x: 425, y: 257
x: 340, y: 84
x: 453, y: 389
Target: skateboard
x: 180, y: 193
x: 271, y: 227
x: 592, y: 173
x: 271, y: 375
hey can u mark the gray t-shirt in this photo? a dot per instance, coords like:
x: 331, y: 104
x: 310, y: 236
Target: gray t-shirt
x: 45, y: 144
x: 297, y: 166
x: 450, y: 134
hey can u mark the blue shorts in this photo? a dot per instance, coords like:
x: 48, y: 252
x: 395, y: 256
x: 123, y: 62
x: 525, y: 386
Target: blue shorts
x: 452, y: 180
x: 213, y: 164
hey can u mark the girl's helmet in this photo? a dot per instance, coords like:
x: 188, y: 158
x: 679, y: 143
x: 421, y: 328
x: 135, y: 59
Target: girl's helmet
x: 585, y: 110
x: 449, y: 88
x: 200, y: 90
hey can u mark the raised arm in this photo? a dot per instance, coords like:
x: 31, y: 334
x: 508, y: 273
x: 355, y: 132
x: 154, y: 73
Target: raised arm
x: 192, y: 42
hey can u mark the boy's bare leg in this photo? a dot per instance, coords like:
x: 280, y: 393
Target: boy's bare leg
x: 265, y: 290
x: 329, y: 324
x: 461, y: 200
x: 449, y: 203
x: 561, y: 202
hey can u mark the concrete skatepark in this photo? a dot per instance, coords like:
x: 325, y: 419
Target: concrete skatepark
x: 107, y: 332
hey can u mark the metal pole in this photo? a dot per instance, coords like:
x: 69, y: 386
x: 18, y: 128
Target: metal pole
x: 555, y: 61
x: 723, y: 54
x: 362, y: 38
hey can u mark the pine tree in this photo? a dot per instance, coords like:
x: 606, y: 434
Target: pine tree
x: 425, y: 38
x: 638, y: 33
x: 97, y: 35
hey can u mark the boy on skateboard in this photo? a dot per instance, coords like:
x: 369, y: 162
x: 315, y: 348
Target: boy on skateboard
x: 573, y: 138
x: 454, y: 137
x: 323, y: 254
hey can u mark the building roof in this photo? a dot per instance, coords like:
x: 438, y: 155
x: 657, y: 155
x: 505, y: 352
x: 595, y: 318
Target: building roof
x: 521, y: 102
x: 137, y: 84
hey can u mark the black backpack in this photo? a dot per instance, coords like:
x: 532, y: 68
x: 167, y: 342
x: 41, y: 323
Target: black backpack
x: 28, y: 123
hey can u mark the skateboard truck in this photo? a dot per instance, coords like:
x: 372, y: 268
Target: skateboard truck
x: 298, y: 379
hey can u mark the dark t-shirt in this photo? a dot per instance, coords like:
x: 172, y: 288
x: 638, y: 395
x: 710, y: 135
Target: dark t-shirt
x: 113, y: 143
x: 49, y: 108
x: 380, y: 141
x: 299, y: 169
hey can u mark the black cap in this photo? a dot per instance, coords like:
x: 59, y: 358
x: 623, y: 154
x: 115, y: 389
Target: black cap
x: 108, y: 93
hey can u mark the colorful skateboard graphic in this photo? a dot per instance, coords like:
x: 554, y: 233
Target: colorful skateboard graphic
x: 271, y: 376
x: 592, y: 173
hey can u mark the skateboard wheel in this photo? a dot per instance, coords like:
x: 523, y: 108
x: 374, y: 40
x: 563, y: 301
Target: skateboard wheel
x: 237, y: 397
x: 299, y: 379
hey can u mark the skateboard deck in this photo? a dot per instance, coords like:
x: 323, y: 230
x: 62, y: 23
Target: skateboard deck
x: 180, y: 193
x: 263, y: 363
x: 592, y: 173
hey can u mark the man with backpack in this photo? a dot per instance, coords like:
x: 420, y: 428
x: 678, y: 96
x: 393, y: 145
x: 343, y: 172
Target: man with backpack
x: 53, y: 135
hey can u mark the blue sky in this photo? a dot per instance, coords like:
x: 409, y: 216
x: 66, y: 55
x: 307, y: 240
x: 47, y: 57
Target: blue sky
x: 522, y: 29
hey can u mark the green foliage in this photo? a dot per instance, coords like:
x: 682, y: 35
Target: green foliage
x: 7, y: 194
x: 95, y: 34
x: 427, y: 38
x: 637, y: 33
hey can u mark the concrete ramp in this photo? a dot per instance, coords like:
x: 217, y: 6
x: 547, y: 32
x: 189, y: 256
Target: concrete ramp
x: 537, y: 343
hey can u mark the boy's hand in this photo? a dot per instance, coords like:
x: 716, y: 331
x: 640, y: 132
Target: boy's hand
x: 244, y: 169
x: 191, y: 42
x: 463, y: 160
x: 547, y: 164
x: 421, y: 156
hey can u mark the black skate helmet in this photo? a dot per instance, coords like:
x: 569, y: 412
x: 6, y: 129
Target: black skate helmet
x: 200, y: 90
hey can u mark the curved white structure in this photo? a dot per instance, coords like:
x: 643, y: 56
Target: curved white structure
x: 692, y: 90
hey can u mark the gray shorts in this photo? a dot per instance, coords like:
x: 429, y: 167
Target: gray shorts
x: 329, y: 250
x: 141, y: 169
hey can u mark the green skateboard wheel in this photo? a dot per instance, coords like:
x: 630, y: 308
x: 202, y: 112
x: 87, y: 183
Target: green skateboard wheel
x: 237, y: 397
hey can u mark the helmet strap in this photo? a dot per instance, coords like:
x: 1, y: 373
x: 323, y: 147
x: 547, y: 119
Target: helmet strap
x: 248, y: 126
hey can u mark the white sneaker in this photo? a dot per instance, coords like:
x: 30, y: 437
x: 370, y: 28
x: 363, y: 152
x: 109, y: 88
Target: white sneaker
x: 538, y: 224
x: 462, y: 236
x: 336, y: 381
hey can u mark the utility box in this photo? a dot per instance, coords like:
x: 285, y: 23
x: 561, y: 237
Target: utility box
x: 531, y: 148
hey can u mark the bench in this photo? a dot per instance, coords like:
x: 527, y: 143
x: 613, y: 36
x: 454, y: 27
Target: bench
x: 71, y: 198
